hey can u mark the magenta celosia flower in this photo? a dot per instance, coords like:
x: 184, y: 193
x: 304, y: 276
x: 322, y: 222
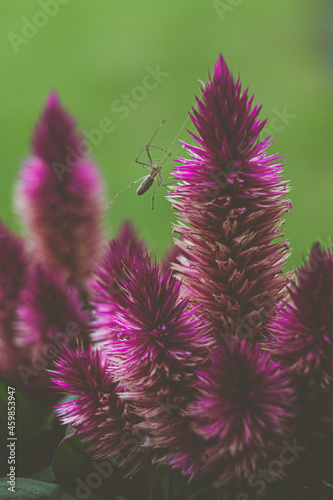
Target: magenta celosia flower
x: 98, y: 414
x: 120, y: 254
x: 59, y: 196
x: 50, y: 312
x: 244, y: 411
x: 230, y: 203
x: 13, y: 269
x: 301, y: 340
x: 155, y: 343
x: 155, y: 339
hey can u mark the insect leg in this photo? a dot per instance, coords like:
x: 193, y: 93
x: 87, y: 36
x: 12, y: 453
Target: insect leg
x: 148, y: 154
x: 157, y: 147
x: 162, y: 123
x: 147, y: 146
x: 120, y: 192
x: 168, y: 155
x: 153, y: 199
x: 145, y: 165
x: 166, y: 185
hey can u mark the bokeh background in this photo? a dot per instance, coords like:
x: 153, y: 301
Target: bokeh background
x: 95, y: 53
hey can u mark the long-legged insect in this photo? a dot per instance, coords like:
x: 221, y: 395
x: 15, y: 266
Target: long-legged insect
x: 153, y: 166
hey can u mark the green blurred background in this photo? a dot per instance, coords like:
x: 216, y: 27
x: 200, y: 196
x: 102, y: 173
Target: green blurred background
x: 95, y: 52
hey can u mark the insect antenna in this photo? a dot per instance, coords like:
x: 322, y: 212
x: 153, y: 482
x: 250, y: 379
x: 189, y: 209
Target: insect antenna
x: 123, y: 190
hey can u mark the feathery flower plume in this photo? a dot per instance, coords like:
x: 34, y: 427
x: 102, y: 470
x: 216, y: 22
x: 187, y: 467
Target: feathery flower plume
x: 156, y: 339
x: 301, y: 340
x: 230, y: 203
x: 106, y: 290
x: 13, y: 268
x: 51, y: 311
x: 98, y: 414
x: 155, y: 343
x: 244, y: 411
x: 59, y: 196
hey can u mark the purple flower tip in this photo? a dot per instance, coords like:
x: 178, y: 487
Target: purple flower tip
x: 52, y: 100
x: 121, y: 254
x: 55, y: 135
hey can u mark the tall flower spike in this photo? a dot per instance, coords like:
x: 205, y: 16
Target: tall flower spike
x: 59, y: 196
x: 106, y: 285
x: 301, y: 340
x: 244, y: 412
x: 98, y: 414
x: 13, y: 269
x: 230, y: 203
x: 51, y: 312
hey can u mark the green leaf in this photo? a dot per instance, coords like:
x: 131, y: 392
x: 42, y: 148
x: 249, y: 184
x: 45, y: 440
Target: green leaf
x: 153, y: 475
x: 165, y: 483
x: 31, y: 489
x: 31, y: 418
x: 46, y: 475
x: 31, y: 424
x: 179, y: 483
x: 26, y: 488
x: 71, y: 458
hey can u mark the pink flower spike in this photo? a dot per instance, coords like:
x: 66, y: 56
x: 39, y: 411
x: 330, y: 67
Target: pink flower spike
x: 229, y: 202
x: 59, y: 196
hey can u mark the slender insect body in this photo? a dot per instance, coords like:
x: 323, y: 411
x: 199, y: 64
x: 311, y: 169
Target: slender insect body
x: 149, y: 179
x: 145, y: 185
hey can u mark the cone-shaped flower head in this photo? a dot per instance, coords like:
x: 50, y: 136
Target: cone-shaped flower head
x: 302, y: 340
x: 155, y: 343
x: 50, y: 313
x: 106, y: 290
x: 98, y: 414
x: 59, y: 196
x: 244, y: 412
x: 13, y: 272
x: 155, y: 338
x: 230, y: 203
